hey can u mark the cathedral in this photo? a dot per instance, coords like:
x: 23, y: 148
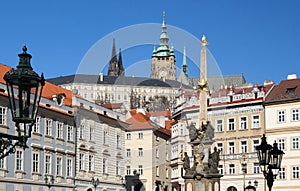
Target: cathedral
x: 115, y: 65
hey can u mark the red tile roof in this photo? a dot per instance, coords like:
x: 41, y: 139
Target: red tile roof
x: 112, y: 105
x: 286, y: 90
x: 139, y: 121
x: 48, y: 91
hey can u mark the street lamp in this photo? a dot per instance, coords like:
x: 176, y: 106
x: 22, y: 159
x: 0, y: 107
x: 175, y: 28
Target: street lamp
x: 49, y: 182
x: 270, y: 158
x: 95, y: 182
x: 24, y: 88
x: 243, y: 161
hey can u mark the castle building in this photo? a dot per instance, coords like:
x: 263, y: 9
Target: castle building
x: 163, y: 58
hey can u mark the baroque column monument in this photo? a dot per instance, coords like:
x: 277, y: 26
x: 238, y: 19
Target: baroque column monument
x: 203, y: 174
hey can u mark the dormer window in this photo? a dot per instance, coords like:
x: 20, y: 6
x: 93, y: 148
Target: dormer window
x: 291, y: 89
x: 59, y: 99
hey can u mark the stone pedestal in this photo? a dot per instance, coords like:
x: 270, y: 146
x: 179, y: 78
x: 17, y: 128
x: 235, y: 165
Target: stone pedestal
x: 203, y: 182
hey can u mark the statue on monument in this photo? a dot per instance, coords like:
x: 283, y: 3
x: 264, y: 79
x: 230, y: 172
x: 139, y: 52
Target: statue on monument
x: 213, y: 161
x: 194, y: 133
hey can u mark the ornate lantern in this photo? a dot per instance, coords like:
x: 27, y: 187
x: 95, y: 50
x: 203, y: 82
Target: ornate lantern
x: 24, y: 88
x: 269, y: 159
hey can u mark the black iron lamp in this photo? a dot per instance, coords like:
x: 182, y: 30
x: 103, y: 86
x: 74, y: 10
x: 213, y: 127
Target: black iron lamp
x: 270, y: 158
x: 95, y: 182
x: 24, y: 88
x: 49, y: 182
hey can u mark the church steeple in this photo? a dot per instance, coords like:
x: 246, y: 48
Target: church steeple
x: 164, y: 39
x: 120, y: 64
x: 184, y: 65
x: 163, y: 58
x: 115, y: 66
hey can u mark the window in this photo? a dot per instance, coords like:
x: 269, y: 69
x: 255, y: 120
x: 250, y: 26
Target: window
x: 118, y: 169
x: 280, y: 116
x: 281, y: 173
x: 92, y: 134
x: 220, y: 146
x: 140, y: 169
x: 219, y: 125
x: 69, y: 167
x: 47, y: 164
x: 105, y: 137
x: 81, y: 131
x: 231, y: 124
x: 91, y: 162
x: 140, y: 135
x: 295, y: 171
x: 60, y: 131
x: 231, y: 169
x: 81, y: 161
x: 128, y: 152
x: 19, y: 160
x: 167, y: 173
x: 48, y: 124
x: 70, y: 133
x: 35, y: 163
x: 243, y: 123
x: 128, y: 136
x: 231, y: 147
x: 221, y: 169
x: 3, y: 115
x: 255, y: 121
x: 255, y: 144
x: 104, y: 167
x: 36, y: 126
x: 2, y: 163
x: 141, y: 152
x: 59, y: 166
x: 118, y: 141
x: 244, y: 146
x: 256, y: 168
x: 295, y: 143
x: 157, y: 171
x: 157, y: 153
x: 128, y: 171
x: 281, y: 144
x: 295, y: 115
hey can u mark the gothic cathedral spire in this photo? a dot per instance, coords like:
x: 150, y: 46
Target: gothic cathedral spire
x: 115, y: 66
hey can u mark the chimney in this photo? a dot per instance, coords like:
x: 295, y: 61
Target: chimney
x: 291, y: 76
x: 101, y: 77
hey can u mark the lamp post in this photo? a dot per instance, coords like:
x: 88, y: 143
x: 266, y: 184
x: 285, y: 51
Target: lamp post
x: 24, y: 88
x: 95, y: 183
x: 243, y: 161
x: 270, y: 158
x: 49, y: 182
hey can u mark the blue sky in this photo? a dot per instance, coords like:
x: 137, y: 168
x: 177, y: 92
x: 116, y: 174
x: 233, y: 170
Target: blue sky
x: 259, y: 39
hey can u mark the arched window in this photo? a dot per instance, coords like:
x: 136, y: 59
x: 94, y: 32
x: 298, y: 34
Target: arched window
x: 231, y: 188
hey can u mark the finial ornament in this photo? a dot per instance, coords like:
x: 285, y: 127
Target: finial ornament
x: 204, y: 42
x: 24, y: 49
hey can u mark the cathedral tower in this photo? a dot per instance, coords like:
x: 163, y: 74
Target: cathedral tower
x: 163, y: 58
x: 115, y: 65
